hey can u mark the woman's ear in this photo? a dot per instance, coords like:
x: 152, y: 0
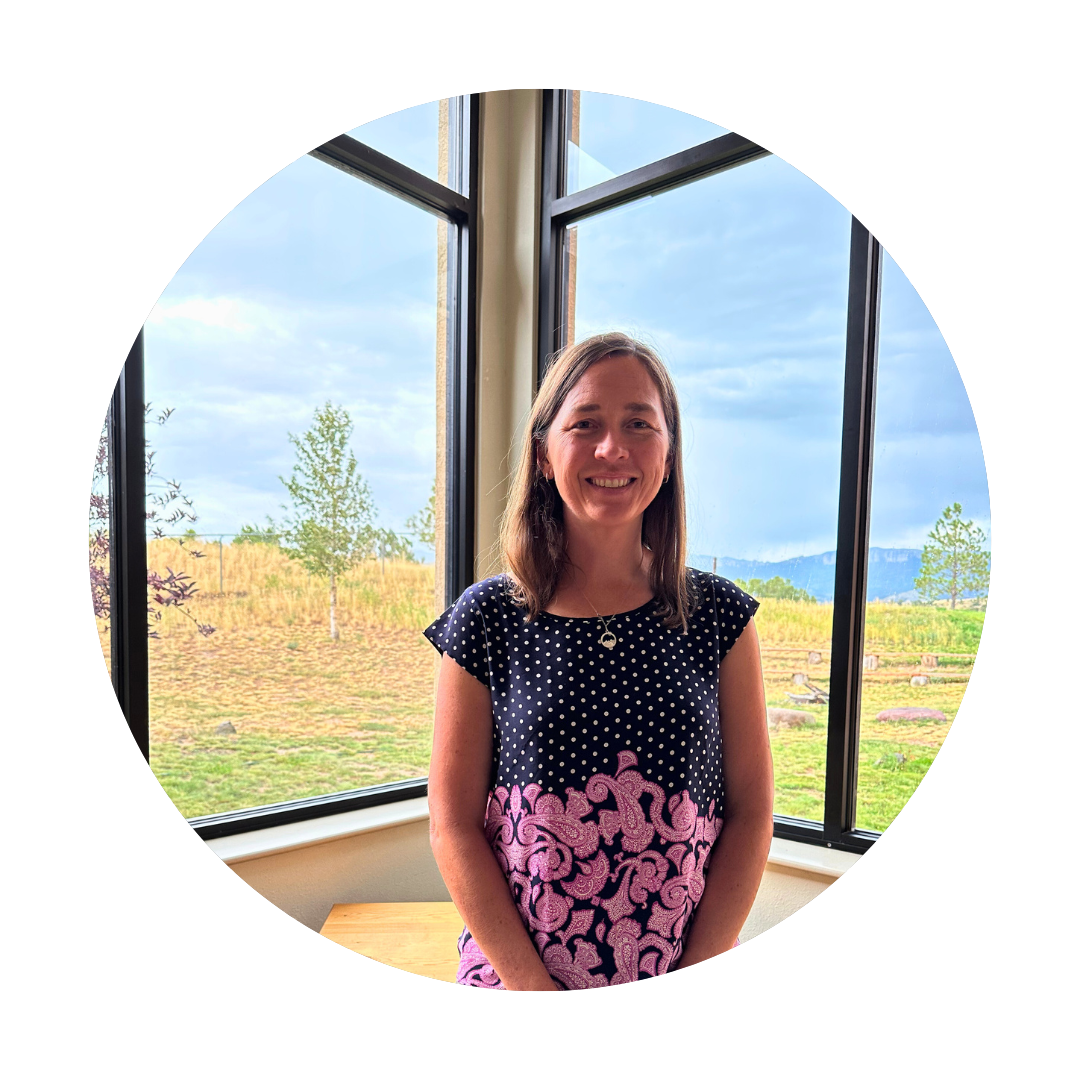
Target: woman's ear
x: 542, y: 462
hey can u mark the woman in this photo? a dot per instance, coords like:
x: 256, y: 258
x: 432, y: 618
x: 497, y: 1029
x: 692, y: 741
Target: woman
x: 578, y: 779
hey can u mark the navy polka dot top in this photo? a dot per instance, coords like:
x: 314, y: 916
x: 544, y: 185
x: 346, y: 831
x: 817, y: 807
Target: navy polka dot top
x: 607, y: 783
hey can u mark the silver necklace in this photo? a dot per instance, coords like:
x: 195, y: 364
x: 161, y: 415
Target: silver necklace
x: 607, y: 638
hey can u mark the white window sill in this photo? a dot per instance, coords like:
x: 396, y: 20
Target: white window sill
x: 789, y: 854
x: 809, y: 858
x: 298, y: 834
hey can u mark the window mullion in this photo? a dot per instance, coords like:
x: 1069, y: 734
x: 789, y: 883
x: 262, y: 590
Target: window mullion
x: 461, y: 366
x: 853, y: 534
x: 551, y: 316
x: 127, y: 548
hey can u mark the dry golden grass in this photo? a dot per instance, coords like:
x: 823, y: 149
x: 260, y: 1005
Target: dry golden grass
x: 289, y: 681
x: 263, y: 587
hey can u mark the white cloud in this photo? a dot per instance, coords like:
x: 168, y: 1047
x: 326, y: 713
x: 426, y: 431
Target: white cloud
x: 202, y: 317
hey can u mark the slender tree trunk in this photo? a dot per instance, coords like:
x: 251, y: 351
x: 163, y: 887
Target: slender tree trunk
x: 333, y: 607
x: 952, y: 587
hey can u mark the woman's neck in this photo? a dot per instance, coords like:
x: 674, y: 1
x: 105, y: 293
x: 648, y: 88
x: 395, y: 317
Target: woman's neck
x: 608, y: 571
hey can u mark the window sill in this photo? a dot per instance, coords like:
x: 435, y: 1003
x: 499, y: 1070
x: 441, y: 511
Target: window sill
x: 810, y: 858
x: 298, y: 834
x: 789, y: 854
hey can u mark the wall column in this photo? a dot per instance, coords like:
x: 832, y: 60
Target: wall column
x: 507, y: 279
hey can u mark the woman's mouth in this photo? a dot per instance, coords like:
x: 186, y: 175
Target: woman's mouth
x: 610, y: 481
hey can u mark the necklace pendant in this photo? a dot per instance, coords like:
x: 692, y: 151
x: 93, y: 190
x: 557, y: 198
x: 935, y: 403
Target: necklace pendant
x: 608, y: 639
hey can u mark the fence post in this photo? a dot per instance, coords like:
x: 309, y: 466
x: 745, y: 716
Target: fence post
x: 221, y: 566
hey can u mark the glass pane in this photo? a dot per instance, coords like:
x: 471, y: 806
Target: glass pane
x: 927, y: 581
x: 416, y: 137
x: 317, y: 297
x: 740, y: 281
x: 609, y: 135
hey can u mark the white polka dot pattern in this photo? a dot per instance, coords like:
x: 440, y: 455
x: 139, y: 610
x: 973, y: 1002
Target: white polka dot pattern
x: 564, y: 706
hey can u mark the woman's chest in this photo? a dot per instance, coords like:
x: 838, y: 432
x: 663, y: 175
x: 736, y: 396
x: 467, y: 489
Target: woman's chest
x: 561, y: 671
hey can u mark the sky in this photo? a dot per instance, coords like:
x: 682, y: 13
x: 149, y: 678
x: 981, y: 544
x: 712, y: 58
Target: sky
x: 317, y: 287
x: 740, y: 281
x: 320, y: 287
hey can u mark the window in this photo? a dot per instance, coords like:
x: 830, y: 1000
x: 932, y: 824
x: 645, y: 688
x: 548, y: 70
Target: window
x: 329, y: 314
x: 927, y: 459
x: 607, y: 136
x: 763, y: 294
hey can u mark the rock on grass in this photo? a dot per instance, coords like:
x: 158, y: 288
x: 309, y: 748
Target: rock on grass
x: 788, y: 718
x: 909, y: 712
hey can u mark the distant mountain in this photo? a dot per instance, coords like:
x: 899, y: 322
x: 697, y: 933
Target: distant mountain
x: 891, y: 575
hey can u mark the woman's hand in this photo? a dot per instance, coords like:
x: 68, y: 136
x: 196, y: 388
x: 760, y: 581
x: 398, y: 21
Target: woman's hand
x: 457, y: 801
x: 742, y: 849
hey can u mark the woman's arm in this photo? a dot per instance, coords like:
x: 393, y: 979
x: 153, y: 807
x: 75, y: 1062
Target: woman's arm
x: 739, y: 856
x: 457, y: 800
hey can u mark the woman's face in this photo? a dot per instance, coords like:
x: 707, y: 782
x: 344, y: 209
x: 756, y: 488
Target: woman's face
x: 607, y: 450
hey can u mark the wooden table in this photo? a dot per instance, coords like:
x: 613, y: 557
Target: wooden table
x: 419, y: 937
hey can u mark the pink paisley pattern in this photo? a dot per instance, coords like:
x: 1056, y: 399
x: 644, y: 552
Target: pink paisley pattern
x: 606, y: 880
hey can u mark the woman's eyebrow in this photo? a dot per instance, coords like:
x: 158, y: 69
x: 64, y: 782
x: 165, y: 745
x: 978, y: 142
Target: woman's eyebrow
x: 630, y: 406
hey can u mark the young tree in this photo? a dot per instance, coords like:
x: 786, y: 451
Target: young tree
x: 269, y: 534
x: 776, y: 588
x: 331, y: 525
x: 392, y: 545
x: 166, y: 504
x: 422, y: 523
x: 954, y: 560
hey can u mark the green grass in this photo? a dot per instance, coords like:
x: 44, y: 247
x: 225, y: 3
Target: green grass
x: 203, y: 775
x: 885, y: 784
x: 799, y: 771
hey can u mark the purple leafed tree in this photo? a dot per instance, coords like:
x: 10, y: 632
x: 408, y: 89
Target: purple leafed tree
x: 166, y: 506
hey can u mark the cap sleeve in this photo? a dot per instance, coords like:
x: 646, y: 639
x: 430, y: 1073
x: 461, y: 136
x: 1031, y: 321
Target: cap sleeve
x: 460, y: 632
x: 734, y: 610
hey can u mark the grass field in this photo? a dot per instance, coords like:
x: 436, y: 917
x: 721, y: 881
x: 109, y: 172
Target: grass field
x: 886, y: 781
x: 313, y: 716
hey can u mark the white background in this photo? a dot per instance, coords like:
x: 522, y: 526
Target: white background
x: 131, y: 129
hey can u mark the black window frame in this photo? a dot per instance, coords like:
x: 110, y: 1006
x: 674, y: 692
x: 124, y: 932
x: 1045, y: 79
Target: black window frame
x: 457, y: 205
x: 558, y: 211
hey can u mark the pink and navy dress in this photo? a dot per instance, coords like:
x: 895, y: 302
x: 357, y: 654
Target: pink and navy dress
x: 607, y: 781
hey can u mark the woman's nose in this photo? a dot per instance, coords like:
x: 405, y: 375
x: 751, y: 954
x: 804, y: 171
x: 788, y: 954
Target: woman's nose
x: 610, y: 447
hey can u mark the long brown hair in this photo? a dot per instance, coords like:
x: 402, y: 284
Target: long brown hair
x: 532, y: 535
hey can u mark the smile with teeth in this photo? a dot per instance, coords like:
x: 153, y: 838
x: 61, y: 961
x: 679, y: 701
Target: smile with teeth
x: 610, y: 482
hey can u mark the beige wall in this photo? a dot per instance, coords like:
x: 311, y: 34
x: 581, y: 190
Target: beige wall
x: 782, y: 892
x: 387, y: 865
x: 507, y: 296
x: 396, y: 865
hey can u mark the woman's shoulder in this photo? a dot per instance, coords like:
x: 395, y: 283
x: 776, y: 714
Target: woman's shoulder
x: 492, y: 592
x: 724, y: 590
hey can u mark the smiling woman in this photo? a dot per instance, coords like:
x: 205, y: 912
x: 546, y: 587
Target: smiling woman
x: 549, y: 712
x: 607, y: 441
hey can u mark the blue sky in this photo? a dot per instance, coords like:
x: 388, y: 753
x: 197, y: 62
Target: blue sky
x: 316, y: 287
x: 319, y: 286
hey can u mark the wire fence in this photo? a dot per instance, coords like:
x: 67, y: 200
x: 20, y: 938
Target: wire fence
x: 384, y: 547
